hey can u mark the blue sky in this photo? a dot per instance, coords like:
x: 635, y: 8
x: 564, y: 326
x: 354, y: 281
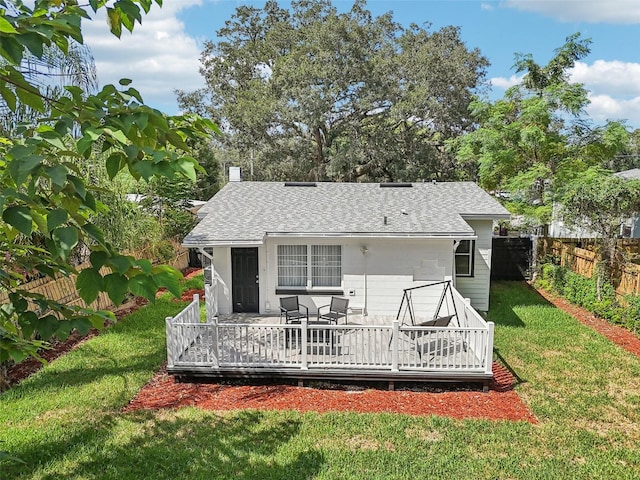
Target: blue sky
x: 163, y: 54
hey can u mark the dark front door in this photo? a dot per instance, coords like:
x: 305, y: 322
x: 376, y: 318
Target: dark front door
x: 244, y: 279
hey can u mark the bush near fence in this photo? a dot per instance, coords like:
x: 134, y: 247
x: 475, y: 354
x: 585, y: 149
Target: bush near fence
x: 62, y: 289
x: 582, y: 291
x: 580, y: 257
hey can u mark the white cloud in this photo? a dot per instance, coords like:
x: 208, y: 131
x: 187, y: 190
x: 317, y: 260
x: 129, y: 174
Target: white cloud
x: 614, y: 89
x: 603, y: 76
x: 593, y: 11
x: 604, y: 107
x: 159, y: 56
x: 504, y: 83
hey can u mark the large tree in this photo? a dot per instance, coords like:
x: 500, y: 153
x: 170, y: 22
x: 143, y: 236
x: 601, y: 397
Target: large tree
x: 311, y: 93
x: 533, y: 142
x: 46, y: 205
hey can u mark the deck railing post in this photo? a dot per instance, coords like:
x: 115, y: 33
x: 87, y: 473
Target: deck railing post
x: 170, y: 341
x: 488, y: 367
x: 395, y: 338
x: 303, y: 343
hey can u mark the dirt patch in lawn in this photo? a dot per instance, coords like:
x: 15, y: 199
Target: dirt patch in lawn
x: 618, y: 335
x: 455, y: 401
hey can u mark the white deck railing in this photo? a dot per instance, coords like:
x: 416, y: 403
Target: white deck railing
x: 465, y: 346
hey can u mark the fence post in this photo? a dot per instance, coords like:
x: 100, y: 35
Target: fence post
x: 170, y: 341
x: 303, y: 342
x: 488, y: 367
x: 395, y: 338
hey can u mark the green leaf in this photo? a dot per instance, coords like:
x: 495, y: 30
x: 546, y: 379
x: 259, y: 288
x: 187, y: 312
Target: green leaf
x: 98, y: 258
x: 95, y: 233
x: 186, y: 166
x: 166, y: 276
x: 58, y: 174
x: 65, y: 238
x: 145, y: 265
x: 124, y: 81
x: 30, y: 99
x: 45, y: 270
x: 117, y: 134
x: 33, y: 42
x: 56, y: 218
x: 20, y: 218
x: 23, y: 163
x: 40, y: 221
x: 11, y: 49
x: 82, y: 325
x: 143, y: 286
x: 47, y: 326
x: 121, y: 263
x: 114, y: 21
x: 6, y: 27
x: 78, y: 185
x: 9, y: 97
x: 116, y: 286
x: 114, y: 164
x: 143, y: 168
x: 89, y: 283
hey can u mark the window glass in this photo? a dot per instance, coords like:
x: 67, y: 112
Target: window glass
x: 292, y: 265
x: 326, y: 265
x: 464, y: 258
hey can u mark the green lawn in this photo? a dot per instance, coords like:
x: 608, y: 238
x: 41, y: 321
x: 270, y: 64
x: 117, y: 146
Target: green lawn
x: 65, y: 421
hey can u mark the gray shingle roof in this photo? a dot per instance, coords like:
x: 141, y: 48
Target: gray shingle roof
x: 247, y: 211
x: 633, y: 174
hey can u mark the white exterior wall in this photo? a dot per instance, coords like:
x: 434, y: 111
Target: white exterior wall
x: 373, y: 281
x: 476, y: 288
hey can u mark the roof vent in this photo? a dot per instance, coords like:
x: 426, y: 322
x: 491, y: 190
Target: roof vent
x: 299, y: 184
x: 395, y: 185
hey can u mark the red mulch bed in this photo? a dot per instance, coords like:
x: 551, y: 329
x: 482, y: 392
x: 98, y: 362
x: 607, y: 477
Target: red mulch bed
x: 618, y: 335
x: 500, y: 403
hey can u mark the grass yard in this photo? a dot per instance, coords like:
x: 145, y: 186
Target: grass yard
x: 65, y: 421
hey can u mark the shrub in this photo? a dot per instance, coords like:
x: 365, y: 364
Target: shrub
x: 583, y: 291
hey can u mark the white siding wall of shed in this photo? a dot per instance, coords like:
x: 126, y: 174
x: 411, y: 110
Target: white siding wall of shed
x: 476, y: 288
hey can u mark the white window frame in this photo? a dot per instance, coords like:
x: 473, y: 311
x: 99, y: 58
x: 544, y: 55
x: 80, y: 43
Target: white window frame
x: 313, y: 270
x: 470, y: 254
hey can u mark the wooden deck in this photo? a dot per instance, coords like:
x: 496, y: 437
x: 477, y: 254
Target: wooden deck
x: 366, y: 348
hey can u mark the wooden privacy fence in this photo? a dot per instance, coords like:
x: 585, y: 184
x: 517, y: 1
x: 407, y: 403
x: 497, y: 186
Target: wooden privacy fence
x: 583, y: 261
x: 62, y: 289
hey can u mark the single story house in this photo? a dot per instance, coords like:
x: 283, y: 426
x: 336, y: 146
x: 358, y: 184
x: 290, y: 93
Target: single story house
x: 363, y: 241
x: 412, y: 260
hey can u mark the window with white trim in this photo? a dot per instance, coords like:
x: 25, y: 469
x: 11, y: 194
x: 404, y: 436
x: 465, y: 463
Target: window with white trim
x: 464, y: 258
x: 315, y: 266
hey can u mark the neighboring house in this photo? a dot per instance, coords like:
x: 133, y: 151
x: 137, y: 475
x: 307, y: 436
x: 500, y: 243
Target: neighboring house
x: 364, y: 241
x: 629, y: 229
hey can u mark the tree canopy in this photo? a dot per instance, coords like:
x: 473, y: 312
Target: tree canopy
x: 311, y: 93
x: 46, y: 205
x: 531, y: 144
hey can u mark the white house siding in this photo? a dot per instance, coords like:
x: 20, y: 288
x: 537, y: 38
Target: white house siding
x: 391, y: 265
x: 222, y: 265
x: 373, y: 280
x: 476, y: 288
